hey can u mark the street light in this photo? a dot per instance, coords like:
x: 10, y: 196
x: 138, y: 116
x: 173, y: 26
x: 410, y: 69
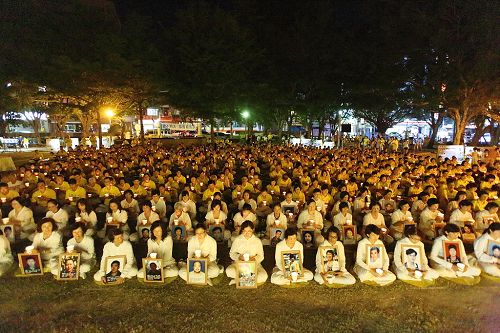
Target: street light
x: 109, y: 113
x: 245, y: 114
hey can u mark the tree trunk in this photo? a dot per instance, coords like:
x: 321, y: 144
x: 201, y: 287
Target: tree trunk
x: 480, y: 131
x: 460, y: 124
x: 495, y: 134
x: 435, y: 124
x: 141, y: 121
x: 99, y: 130
x: 35, y: 123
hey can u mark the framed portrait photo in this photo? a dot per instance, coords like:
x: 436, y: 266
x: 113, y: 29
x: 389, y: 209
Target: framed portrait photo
x: 8, y: 232
x: 30, y: 264
x: 411, y: 256
x: 494, y: 248
x: 288, y: 209
x: 409, y: 225
x: 114, y: 266
x: 197, y: 271
x: 438, y: 229
x: 144, y: 232
x: 451, y: 251
x: 329, y: 259
x: 110, y: 226
x: 153, y: 270
x: 276, y: 235
x: 468, y: 233
x: 217, y: 232
x: 349, y: 234
x: 292, y: 262
x: 179, y: 233
x: 307, y: 238
x: 374, y: 255
x: 69, y: 267
x: 246, y: 277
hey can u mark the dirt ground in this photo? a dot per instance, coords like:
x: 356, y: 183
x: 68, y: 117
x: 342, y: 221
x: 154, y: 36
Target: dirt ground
x: 41, y: 304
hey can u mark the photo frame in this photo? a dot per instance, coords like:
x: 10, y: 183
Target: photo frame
x: 30, y: 264
x: 69, y: 267
x: 114, y: 265
x: 438, y: 229
x: 291, y: 262
x: 412, y: 256
x: 276, y: 235
x: 9, y: 232
x: 408, y: 225
x: 197, y: 271
x: 110, y: 226
x: 468, y: 233
x: 153, y: 270
x: 374, y: 255
x: 493, y: 248
x: 451, y: 252
x: 349, y: 234
x: 308, y: 238
x: 287, y: 209
x: 144, y: 232
x: 179, y: 233
x: 217, y: 232
x: 246, y: 277
x: 329, y: 259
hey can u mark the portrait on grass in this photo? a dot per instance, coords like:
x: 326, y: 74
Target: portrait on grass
x: 197, y: 271
x: 374, y: 255
x: 411, y: 256
x: 144, y: 232
x: 349, y: 234
x: 217, y: 232
x: 30, y: 264
x: 153, y: 271
x: 179, y: 233
x: 276, y: 235
x: 451, y: 252
x: 307, y: 238
x: 494, y: 248
x: 247, y: 274
x: 468, y: 233
x: 114, y: 266
x: 69, y: 266
x: 8, y: 231
x: 291, y: 262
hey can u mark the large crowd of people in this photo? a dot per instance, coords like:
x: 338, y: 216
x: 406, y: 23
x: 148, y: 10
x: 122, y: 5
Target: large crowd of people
x: 379, y: 199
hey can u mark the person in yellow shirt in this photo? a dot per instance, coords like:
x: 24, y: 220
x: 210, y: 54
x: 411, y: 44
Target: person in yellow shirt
x: 245, y: 185
x: 75, y: 192
x: 137, y: 189
x: 60, y: 184
x: 42, y: 194
x: 209, y: 192
x: 147, y: 183
x: 109, y: 190
x: 480, y: 203
x: 7, y: 194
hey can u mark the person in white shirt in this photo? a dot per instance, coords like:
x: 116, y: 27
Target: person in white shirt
x: 188, y: 205
x: 6, y: 259
x: 216, y: 216
x: 160, y: 207
x: 147, y: 216
x: 246, y: 214
x: 117, y: 246
x: 310, y: 218
x: 129, y: 203
x: 247, y: 243
x: 22, y: 216
x: 48, y: 242
x: 86, y: 215
x: 208, y: 247
x: 428, y: 217
x: 181, y: 217
x: 247, y: 200
x: 448, y: 266
x: 376, y: 218
x: 487, y: 254
x: 374, y: 268
x: 290, y: 243
x: 59, y: 215
x: 398, y: 219
x: 84, y: 244
x: 408, y: 273
x: 337, y: 274
x: 487, y: 216
x: 116, y: 215
x: 462, y: 214
x: 274, y: 220
x: 161, y: 243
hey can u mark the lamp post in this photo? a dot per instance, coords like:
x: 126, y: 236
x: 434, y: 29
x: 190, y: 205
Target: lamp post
x: 246, y: 115
x: 109, y: 112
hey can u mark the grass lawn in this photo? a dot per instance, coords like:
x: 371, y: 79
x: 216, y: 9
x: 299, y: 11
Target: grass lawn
x: 41, y: 304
